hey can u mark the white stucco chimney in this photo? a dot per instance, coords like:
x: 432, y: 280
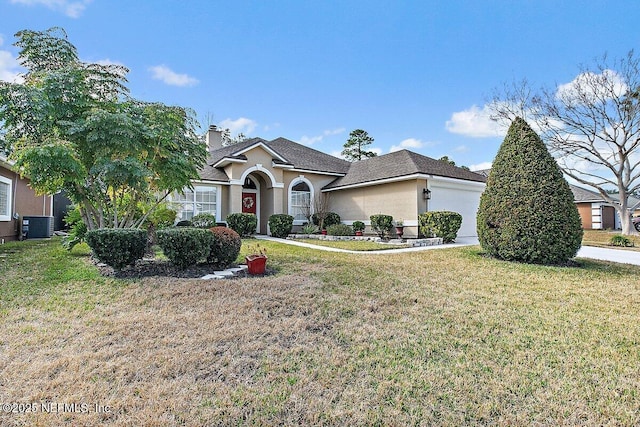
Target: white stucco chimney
x: 214, y: 138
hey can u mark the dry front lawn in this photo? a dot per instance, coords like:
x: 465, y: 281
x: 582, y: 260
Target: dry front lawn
x: 445, y: 337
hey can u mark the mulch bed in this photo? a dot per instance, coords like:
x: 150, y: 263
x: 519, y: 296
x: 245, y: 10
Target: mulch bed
x: 151, y: 268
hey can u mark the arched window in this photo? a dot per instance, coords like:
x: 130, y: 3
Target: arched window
x: 300, y: 200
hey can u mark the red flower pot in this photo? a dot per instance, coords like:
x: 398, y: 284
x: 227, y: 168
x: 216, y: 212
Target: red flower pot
x: 324, y: 232
x: 358, y: 233
x: 256, y: 263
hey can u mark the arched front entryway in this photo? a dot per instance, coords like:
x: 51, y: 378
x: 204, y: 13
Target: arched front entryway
x: 259, y: 186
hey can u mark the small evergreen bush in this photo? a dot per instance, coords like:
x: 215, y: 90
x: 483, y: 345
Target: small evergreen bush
x: 339, y: 230
x: 117, y: 247
x: 443, y: 224
x: 382, y: 224
x: 330, y: 218
x: 203, y: 220
x: 620, y: 240
x: 280, y: 225
x: 185, y: 246
x: 243, y: 223
x: 358, y: 226
x: 527, y: 211
x: 225, y: 247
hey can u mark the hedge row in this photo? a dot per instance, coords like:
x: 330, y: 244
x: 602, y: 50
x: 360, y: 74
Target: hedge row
x: 184, y: 246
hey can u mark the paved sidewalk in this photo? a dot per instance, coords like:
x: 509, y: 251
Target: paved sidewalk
x: 602, y: 254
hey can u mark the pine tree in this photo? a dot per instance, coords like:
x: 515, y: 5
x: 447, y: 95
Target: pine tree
x: 354, y: 148
x: 527, y: 212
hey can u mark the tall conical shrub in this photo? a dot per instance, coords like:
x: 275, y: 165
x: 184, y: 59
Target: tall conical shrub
x: 527, y: 212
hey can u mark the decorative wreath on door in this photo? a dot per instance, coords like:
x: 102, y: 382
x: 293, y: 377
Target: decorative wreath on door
x: 247, y: 202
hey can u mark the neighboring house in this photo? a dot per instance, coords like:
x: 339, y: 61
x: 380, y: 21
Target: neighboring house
x: 595, y: 212
x: 281, y: 176
x: 18, y: 200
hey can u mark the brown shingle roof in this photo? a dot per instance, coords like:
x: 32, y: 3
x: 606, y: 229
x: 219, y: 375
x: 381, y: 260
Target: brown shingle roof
x: 393, y: 165
x: 398, y: 164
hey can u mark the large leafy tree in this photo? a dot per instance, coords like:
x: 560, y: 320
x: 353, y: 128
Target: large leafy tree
x: 590, y: 125
x: 355, y: 147
x: 72, y: 126
x: 527, y: 212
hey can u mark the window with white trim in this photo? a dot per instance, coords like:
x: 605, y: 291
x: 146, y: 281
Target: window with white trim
x: 299, y: 201
x: 202, y: 199
x: 5, y: 199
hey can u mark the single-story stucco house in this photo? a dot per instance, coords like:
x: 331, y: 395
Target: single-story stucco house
x: 281, y: 176
x: 19, y: 200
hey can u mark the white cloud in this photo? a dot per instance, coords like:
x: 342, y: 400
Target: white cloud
x: 240, y: 125
x: 481, y: 166
x: 9, y: 66
x: 410, y: 143
x: 589, y: 87
x: 170, y: 77
x: 72, y: 9
x: 310, y: 140
x: 475, y: 123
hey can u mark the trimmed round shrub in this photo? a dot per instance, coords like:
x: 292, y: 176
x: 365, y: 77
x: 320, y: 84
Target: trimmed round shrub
x: 527, y: 211
x: 331, y: 218
x: 117, y: 247
x: 225, y: 247
x: 444, y: 224
x: 280, y: 225
x: 339, y: 230
x: 382, y: 224
x: 358, y: 226
x: 243, y: 223
x: 204, y: 220
x: 185, y: 246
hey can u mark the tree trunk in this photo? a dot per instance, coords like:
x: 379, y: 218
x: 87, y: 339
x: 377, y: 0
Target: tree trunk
x: 625, y: 221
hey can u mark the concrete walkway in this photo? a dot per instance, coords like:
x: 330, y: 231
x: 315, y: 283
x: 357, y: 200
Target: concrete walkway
x: 602, y: 254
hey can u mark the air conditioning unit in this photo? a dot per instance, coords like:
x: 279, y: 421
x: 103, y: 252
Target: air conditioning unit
x: 37, y: 227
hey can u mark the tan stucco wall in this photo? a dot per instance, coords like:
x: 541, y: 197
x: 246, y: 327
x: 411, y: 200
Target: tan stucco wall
x: 24, y: 201
x: 398, y: 199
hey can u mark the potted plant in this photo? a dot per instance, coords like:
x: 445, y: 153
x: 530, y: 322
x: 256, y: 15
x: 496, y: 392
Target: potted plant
x: 256, y: 260
x: 399, y: 228
x: 358, y: 227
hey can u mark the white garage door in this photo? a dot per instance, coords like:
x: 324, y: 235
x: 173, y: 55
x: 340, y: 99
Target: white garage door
x: 457, y: 197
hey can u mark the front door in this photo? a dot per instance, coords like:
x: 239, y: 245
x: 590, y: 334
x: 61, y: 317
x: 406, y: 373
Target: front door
x: 249, y: 203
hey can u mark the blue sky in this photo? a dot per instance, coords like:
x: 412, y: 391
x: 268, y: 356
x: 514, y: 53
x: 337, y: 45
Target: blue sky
x: 413, y: 74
